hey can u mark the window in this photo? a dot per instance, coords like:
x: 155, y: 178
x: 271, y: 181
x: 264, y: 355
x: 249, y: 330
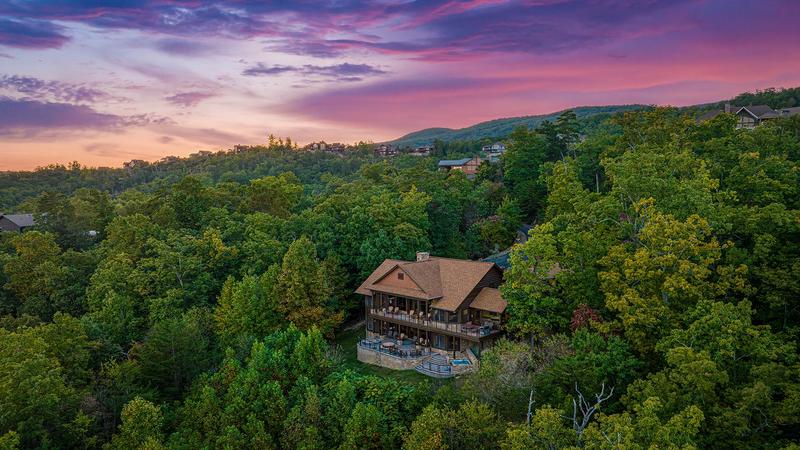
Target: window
x: 400, y: 276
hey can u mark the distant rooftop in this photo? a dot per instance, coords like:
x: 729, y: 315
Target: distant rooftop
x: 453, y: 162
x: 21, y: 220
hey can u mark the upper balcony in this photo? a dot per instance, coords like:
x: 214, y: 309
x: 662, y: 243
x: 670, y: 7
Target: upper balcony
x: 426, y: 322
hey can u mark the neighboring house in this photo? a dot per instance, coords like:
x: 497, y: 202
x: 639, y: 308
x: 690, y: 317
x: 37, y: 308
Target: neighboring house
x: 497, y: 147
x: 749, y: 116
x: 424, y: 150
x: 16, y: 222
x: 467, y: 165
x: 494, y: 151
x: 431, y: 307
x: 785, y: 112
x: 134, y: 163
x: 386, y: 150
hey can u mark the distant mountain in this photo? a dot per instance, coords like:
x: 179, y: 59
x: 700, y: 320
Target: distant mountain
x: 499, y: 128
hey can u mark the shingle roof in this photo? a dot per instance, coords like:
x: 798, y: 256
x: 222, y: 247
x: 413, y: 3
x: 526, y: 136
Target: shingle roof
x: 710, y: 115
x: 454, y: 162
x: 502, y: 259
x: 789, y: 111
x: 760, y: 110
x: 21, y: 220
x: 489, y: 299
x: 446, y: 281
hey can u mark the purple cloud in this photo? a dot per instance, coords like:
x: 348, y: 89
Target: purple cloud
x: 339, y: 72
x: 262, y: 69
x: 29, y: 118
x: 30, y: 34
x: 183, y: 47
x: 189, y: 99
x: 39, y: 89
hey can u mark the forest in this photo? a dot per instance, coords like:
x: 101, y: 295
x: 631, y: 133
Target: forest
x: 200, y: 302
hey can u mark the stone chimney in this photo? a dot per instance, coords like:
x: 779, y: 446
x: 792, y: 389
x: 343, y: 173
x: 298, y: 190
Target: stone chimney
x: 423, y: 256
x: 728, y: 108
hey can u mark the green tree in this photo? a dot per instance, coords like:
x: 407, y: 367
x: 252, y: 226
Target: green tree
x: 141, y: 426
x: 35, y: 401
x: 304, y: 297
x: 669, y: 267
x: 174, y: 352
x: 522, y: 163
x: 276, y: 195
x: 472, y: 426
x: 365, y: 429
x: 37, y: 277
x: 247, y: 309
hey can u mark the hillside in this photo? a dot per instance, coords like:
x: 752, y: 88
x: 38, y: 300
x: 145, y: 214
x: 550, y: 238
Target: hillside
x: 501, y: 127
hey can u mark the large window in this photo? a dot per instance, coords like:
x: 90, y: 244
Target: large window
x: 439, y: 342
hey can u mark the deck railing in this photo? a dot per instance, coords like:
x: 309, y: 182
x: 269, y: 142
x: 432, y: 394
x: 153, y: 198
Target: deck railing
x: 460, y: 328
x: 402, y: 351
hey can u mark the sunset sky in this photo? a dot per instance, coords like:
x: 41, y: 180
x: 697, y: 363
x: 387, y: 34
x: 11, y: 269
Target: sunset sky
x: 104, y: 82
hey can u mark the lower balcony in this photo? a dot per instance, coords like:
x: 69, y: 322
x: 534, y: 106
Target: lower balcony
x: 399, y: 354
x: 404, y: 354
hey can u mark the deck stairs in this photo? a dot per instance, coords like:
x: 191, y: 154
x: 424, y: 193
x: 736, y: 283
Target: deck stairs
x: 436, y: 366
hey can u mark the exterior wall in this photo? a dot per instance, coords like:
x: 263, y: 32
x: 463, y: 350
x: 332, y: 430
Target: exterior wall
x: 368, y: 356
x: 7, y: 225
x: 746, y: 120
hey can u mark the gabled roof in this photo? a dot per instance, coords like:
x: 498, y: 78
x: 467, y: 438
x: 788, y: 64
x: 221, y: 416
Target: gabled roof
x: 448, y: 282
x: 454, y: 162
x: 20, y: 220
x: 758, y: 111
x: 489, y: 299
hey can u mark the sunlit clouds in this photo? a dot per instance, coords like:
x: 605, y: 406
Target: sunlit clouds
x: 106, y: 82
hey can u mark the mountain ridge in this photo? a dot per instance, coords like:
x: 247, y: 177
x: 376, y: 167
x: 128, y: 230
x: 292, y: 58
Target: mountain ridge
x: 498, y: 128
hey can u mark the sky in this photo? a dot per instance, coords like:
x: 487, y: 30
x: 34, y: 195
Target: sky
x: 103, y: 82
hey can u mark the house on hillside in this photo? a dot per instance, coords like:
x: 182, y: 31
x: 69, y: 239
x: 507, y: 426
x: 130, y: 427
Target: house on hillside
x: 749, y: 116
x: 434, y: 314
x: 422, y: 151
x: 497, y: 147
x: 467, y: 165
x: 494, y: 152
x: 386, y: 150
x: 16, y: 222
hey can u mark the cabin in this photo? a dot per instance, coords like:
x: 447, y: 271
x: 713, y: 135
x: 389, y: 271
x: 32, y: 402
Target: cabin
x: 16, y: 223
x: 469, y: 166
x: 421, y: 151
x: 386, y: 150
x: 497, y: 147
x: 431, y: 311
x: 750, y: 116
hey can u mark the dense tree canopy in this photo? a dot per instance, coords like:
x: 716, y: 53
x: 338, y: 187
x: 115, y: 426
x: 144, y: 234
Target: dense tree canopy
x: 197, y: 303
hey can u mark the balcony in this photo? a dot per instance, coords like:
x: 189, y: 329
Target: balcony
x: 424, y: 322
x: 404, y: 349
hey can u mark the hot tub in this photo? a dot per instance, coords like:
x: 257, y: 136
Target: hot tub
x: 460, y: 362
